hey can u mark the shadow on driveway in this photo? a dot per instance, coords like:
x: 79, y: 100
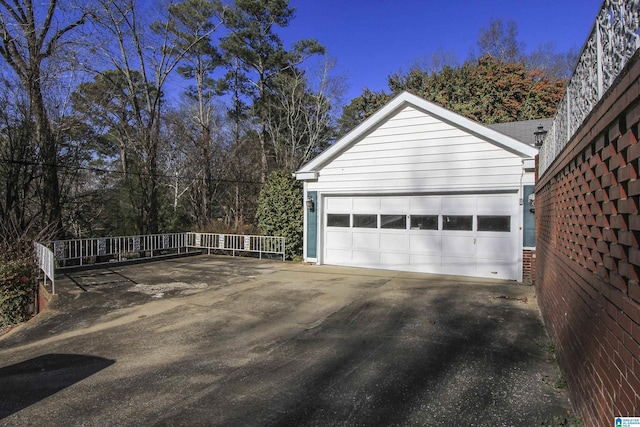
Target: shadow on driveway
x: 242, y: 342
x: 455, y: 360
x: 408, y: 366
x: 28, y: 382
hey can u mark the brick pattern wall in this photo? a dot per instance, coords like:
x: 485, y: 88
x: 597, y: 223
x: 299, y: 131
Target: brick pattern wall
x: 43, y: 297
x: 528, y: 266
x: 588, y: 260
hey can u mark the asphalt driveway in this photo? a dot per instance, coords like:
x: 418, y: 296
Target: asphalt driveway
x: 242, y: 342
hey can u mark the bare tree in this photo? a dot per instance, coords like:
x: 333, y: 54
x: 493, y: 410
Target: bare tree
x: 436, y: 61
x: 29, y: 37
x: 301, y: 116
x: 153, y: 56
x: 19, y: 175
x: 500, y: 41
x: 552, y: 63
x: 190, y: 185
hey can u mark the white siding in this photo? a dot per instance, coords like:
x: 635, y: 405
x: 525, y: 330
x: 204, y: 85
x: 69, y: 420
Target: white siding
x: 413, y: 151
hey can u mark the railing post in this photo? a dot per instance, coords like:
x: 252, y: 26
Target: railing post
x: 46, y: 264
x: 568, y: 107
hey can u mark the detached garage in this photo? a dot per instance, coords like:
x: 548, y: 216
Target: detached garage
x: 417, y: 187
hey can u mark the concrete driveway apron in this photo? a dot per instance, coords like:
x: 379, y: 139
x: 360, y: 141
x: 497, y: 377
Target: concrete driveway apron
x: 223, y: 341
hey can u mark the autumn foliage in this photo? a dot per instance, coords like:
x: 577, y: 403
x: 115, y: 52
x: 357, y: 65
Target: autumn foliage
x: 485, y: 89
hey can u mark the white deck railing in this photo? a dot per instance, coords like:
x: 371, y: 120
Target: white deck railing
x: 238, y: 243
x: 47, y: 264
x: 103, y: 250
x: 79, y: 252
x: 611, y: 43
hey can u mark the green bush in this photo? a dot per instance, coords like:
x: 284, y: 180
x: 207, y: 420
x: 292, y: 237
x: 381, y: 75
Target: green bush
x: 17, y: 287
x: 280, y: 211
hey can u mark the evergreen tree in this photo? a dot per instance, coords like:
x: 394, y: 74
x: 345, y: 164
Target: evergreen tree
x: 280, y: 210
x: 191, y: 29
x: 486, y: 90
x: 261, y: 56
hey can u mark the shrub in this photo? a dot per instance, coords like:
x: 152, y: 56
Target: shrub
x: 17, y: 286
x: 280, y: 211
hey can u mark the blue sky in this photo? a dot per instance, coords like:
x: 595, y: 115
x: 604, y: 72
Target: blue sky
x: 371, y: 39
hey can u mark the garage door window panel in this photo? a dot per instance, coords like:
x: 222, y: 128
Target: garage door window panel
x: 338, y: 220
x: 365, y: 221
x: 395, y: 222
x: 424, y: 222
x: 496, y: 223
x: 457, y: 222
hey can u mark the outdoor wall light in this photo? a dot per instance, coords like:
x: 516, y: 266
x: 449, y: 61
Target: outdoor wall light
x: 540, y: 135
x: 532, y: 203
x: 311, y: 207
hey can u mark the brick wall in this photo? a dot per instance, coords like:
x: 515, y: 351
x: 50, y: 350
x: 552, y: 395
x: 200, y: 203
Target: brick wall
x: 588, y: 261
x: 43, y: 297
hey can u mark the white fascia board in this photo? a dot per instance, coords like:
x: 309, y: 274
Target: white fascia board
x: 306, y: 176
x: 357, y: 132
x: 529, y: 164
x: 405, y: 98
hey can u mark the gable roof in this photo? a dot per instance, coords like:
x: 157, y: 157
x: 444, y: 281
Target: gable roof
x: 404, y: 99
x: 524, y: 130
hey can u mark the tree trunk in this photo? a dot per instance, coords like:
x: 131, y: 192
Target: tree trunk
x: 263, y: 153
x: 154, y: 206
x: 52, y: 212
x: 152, y: 162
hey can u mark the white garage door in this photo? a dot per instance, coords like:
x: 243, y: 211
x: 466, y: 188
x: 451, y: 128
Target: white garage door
x: 470, y: 235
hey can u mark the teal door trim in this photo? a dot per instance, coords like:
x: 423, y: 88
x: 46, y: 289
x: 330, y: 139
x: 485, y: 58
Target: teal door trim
x: 529, y: 219
x: 312, y: 226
